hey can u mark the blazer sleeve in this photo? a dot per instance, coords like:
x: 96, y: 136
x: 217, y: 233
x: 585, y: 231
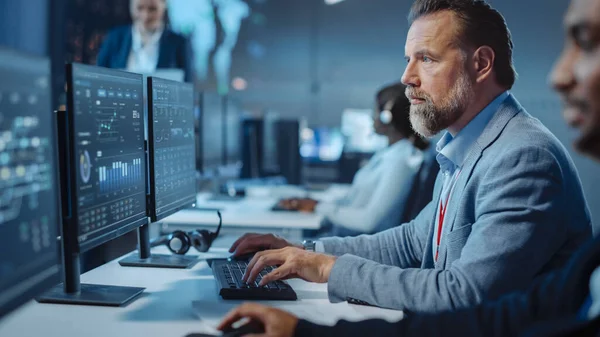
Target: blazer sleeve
x: 558, y: 295
x: 400, y: 246
x: 513, y: 237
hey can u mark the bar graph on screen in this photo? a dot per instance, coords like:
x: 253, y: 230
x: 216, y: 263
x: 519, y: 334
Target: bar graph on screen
x: 120, y: 176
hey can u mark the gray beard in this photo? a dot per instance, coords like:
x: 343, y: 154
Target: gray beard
x: 428, y: 120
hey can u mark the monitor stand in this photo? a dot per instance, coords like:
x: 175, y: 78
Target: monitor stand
x: 146, y: 259
x: 73, y: 292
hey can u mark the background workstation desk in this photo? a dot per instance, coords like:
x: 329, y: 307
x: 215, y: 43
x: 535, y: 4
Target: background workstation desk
x: 253, y: 213
x: 175, y: 303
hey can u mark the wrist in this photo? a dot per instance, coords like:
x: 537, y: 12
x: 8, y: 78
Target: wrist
x: 327, y: 266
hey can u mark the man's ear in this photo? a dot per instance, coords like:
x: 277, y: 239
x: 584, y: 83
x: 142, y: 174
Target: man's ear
x: 483, y: 63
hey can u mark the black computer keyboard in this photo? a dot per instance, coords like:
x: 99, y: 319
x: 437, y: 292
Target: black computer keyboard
x: 228, y: 274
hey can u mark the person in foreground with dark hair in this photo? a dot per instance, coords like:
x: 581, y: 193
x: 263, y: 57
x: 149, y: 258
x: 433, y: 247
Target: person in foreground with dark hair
x: 381, y: 190
x: 508, y: 204
x: 564, y: 302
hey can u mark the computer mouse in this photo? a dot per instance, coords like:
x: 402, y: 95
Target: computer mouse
x: 252, y: 327
x: 244, y: 257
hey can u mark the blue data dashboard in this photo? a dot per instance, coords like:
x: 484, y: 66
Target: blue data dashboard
x: 109, y: 145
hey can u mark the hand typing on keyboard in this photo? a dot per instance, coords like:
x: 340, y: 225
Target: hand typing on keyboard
x: 293, y: 263
x: 235, y: 271
x: 252, y: 242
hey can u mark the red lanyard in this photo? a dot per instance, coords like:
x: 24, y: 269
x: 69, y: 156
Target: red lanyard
x: 443, y: 209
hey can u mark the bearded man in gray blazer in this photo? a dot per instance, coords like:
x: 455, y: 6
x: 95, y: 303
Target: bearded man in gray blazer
x: 508, y: 204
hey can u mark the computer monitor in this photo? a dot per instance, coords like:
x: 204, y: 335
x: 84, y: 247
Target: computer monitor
x: 172, y: 163
x: 29, y: 208
x: 321, y: 144
x: 358, y: 131
x: 212, y: 133
x: 173, y: 74
x: 103, y: 173
x: 270, y: 155
x: 233, y: 127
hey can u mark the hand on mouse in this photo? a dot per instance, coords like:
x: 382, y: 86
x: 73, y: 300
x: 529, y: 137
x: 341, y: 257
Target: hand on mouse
x: 277, y: 323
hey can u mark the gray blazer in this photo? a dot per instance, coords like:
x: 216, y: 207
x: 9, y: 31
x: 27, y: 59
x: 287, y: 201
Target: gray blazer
x: 517, y: 211
x: 549, y: 308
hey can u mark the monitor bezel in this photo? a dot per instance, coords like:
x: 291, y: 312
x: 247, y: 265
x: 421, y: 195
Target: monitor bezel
x: 71, y: 218
x: 185, y: 203
x: 50, y: 272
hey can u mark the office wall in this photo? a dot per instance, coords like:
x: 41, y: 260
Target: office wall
x: 317, y: 60
x: 24, y: 25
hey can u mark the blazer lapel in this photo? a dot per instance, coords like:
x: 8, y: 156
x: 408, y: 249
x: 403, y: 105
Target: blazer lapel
x: 164, y: 51
x: 509, y: 108
x: 123, y: 54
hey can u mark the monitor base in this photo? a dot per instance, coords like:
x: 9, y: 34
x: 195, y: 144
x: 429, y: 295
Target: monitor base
x: 92, y: 294
x: 159, y: 261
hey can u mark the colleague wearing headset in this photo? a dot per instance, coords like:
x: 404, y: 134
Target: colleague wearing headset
x: 146, y: 45
x: 563, y: 303
x: 381, y: 189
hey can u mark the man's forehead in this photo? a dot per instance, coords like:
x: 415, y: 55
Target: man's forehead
x: 583, y: 12
x: 433, y: 29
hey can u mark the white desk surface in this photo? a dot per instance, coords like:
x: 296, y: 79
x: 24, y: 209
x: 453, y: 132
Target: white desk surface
x: 175, y: 303
x: 248, y: 212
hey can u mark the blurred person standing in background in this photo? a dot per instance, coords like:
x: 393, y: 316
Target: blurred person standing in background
x: 147, y: 44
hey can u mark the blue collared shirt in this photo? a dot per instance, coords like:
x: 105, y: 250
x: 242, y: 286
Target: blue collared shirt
x: 452, y: 151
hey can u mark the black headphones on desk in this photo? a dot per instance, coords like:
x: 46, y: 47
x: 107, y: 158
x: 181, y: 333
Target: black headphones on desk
x: 179, y: 242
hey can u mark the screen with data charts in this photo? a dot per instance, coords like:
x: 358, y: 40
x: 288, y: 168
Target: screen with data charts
x: 107, y: 157
x: 172, y: 146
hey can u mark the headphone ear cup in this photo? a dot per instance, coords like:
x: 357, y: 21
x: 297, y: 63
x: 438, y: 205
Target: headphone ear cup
x: 201, y: 240
x: 386, y: 117
x: 179, y: 243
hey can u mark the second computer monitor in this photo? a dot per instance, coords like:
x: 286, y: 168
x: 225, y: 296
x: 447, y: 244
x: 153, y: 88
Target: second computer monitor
x: 172, y: 147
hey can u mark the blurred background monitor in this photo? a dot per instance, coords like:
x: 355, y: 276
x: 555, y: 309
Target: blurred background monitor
x: 212, y: 133
x: 321, y: 144
x: 270, y: 161
x: 234, y: 115
x: 358, y: 132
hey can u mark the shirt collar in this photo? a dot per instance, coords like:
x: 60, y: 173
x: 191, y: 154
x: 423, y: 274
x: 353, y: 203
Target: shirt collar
x: 136, y: 38
x: 452, y: 151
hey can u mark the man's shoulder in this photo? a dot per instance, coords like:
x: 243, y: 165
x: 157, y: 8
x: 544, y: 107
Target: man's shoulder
x: 527, y: 133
